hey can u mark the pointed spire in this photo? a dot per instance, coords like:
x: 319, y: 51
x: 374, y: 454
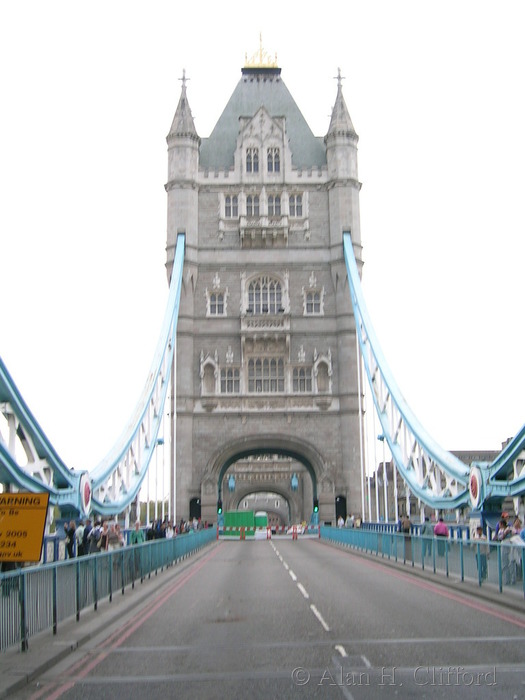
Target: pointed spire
x: 183, y: 124
x: 340, y: 122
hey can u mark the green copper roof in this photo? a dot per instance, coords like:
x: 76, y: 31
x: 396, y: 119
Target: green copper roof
x: 260, y: 87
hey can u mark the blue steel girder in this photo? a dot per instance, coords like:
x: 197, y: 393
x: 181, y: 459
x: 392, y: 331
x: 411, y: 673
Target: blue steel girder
x: 433, y: 475
x: 505, y: 476
x: 29, y: 462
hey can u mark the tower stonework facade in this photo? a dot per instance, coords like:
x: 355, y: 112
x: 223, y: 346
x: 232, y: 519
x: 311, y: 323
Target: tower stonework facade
x: 266, y: 361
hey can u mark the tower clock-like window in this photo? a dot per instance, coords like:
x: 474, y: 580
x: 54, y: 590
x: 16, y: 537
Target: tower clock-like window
x: 265, y: 296
x: 274, y: 160
x: 252, y: 160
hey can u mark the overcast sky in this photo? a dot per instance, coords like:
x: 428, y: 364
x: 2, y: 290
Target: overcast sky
x: 435, y: 92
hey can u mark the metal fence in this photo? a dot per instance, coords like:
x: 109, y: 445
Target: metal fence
x: 497, y: 564
x: 39, y: 598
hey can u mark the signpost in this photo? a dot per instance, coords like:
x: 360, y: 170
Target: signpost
x: 22, y: 523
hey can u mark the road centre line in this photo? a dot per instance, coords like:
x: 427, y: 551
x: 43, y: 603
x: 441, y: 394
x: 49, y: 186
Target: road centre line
x: 340, y: 648
x: 320, y: 618
x: 303, y: 590
x: 294, y: 577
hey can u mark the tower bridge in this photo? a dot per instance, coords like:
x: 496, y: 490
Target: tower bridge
x: 267, y: 347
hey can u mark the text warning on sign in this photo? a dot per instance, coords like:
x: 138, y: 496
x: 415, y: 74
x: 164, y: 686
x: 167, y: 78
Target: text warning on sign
x: 22, y: 523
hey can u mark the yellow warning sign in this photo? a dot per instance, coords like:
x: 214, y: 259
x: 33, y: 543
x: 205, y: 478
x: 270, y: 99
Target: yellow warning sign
x: 22, y: 523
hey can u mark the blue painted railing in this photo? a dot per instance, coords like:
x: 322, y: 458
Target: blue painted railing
x: 39, y: 598
x: 497, y: 564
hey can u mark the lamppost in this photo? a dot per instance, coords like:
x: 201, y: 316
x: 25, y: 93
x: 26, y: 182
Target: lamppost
x: 381, y: 438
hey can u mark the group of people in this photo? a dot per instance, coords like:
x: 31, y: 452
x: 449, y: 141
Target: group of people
x: 90, y: 538
x: 350, y: 521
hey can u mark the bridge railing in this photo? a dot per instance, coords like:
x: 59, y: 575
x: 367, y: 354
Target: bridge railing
x: 39, y: 598
x: 497, y: 564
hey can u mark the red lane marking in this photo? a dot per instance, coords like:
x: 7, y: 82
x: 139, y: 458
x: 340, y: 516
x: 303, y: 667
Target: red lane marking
x: 129, y: 628
x: 459, y: 598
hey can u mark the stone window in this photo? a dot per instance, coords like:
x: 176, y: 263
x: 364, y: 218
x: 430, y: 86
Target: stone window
x: 302, y: 379
x: 313, y: 303
x: 274, y: 160
x: 266, y: 375
x: 216, y: 304
x: 252, y: 205
x: 216, y: 298
x: 230, y: 380
x: 274, y: 205
x: 264, y: 296
x: 313, y: 298
x: 231, y: 207
x: 252, y: 160
x: 296, y: 205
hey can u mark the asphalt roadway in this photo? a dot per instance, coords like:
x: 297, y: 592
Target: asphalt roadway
x: 282, y: 619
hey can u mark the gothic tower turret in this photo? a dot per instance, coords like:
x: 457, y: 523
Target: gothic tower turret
x: 183, y: 167
x: 341, y: 155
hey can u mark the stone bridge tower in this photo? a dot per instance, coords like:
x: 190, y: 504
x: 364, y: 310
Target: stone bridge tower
x: 266, y: 363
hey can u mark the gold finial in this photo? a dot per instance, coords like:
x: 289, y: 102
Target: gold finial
x: 261, y: 58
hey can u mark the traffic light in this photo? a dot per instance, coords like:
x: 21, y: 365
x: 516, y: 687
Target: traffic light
x: 316, y: 505
x: 219, y: 506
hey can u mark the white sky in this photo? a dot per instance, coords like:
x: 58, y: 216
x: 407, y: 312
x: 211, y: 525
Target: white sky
x: 435, y: 91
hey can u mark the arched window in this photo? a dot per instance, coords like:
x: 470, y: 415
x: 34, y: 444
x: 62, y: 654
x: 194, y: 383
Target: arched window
x: 252, y: 160
x: 296, y: 205
x: 265, y: 296
x: 274, y: 205
x: 274, y: 160
x: 216, y: 304
x: 252, y: 205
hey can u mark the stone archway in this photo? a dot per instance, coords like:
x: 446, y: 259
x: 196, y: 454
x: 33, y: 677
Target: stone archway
x: 220, y: 463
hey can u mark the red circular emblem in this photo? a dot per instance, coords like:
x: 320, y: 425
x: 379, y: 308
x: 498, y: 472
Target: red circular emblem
x: 85, y: 493
x: 474, y: 486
